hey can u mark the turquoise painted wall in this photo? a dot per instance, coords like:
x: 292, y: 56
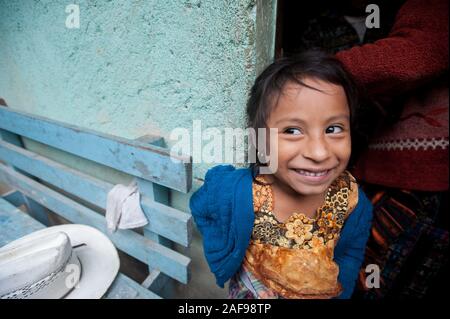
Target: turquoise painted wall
x: 134, y: 67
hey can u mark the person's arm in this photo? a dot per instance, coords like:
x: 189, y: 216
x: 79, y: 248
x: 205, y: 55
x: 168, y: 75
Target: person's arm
x: 352, y: 257
x: 208, y: 214
x: 415, y: 50
x: 205, y: 218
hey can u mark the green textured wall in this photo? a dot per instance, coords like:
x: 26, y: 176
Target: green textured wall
x: 134, y: 67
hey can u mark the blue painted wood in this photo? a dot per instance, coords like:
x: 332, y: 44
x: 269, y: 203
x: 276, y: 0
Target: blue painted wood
x: 152, y: 139
x: 14, y: 197
x: 154, y: 192
x: 11, y: 138
x: 37, y: 211
x: 165, y: 220
x: 159, y: 195
x: 158, y: 281
x: 161, y: 283
x: 17, y: 199
x: 168, y: 261
x: 15, y: 224
x: 149, y: 162
x: 125, y: 288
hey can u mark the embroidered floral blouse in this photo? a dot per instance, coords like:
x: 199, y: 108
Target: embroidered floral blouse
x: 294, y: 259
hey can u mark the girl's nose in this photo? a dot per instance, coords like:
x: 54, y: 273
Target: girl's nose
x: 316, y: 149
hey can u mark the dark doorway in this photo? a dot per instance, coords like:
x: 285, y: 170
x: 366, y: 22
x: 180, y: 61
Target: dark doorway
x: 329, y: 25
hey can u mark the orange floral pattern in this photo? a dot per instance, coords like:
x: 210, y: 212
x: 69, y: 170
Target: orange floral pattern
x: 300, y: 231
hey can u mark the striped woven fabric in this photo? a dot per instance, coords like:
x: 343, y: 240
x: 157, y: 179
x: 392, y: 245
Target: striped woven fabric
x: 409, y: 242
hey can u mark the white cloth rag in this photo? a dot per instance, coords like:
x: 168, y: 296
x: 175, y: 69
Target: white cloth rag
x: 123, y: 209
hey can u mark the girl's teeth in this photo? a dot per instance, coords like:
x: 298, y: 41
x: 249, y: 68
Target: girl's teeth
x: 309, y: 173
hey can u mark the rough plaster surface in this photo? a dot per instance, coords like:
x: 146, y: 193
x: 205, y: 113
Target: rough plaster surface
x: 135, y: 68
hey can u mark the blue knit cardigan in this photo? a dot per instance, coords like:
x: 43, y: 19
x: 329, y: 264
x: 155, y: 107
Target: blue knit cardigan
x: 223, y: 212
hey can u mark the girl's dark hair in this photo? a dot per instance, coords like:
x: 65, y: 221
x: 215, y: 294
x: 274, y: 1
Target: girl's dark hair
x: 269, y: 84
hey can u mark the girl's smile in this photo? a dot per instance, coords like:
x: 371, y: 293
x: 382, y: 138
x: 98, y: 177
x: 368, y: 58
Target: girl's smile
x: 313, y: 176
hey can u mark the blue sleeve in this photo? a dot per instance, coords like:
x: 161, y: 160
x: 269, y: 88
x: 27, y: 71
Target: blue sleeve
x: 200, y: 203
x: 205, y: 216
x: 207, y: 205
x: 350, y: 259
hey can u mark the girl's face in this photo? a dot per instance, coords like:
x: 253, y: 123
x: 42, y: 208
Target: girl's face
x: 313, y: 137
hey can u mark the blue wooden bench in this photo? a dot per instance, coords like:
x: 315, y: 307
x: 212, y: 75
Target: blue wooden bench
x: 40, y: 183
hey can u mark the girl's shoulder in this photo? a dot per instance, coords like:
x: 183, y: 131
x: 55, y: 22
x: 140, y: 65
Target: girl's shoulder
x: 219, y: 185
x: 362, y: 212
x: 218, y: 170
x: 359, y: 207
x: 225, y: 174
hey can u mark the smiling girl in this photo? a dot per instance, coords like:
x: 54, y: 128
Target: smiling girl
x: 300, y: 231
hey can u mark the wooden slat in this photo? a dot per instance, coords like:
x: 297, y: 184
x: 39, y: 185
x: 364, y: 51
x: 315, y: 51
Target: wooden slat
x: 14, y: 197
x: 10, y: 137
x: 14, y: 223
x: 36, y: 211
x: 168, y: 261
x: 164, y: 220
x: 126, y: 288
x: 150, y: 162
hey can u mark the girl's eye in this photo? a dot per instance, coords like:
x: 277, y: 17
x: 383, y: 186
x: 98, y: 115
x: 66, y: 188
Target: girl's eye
x: 293, y: 131
x: 334, y: 129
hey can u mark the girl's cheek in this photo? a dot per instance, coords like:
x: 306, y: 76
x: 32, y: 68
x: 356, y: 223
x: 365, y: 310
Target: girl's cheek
x: 287, y: 150
x: 345, y: 150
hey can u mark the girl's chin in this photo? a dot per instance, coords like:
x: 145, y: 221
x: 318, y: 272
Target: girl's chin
x: 311, y: 191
